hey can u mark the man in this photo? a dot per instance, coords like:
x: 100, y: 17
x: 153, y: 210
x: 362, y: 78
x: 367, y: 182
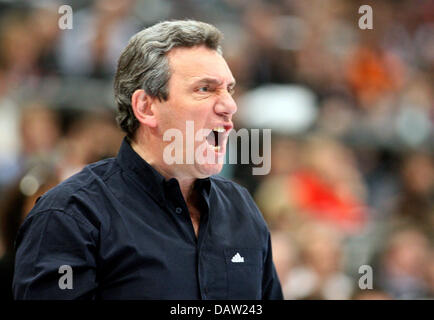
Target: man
x: 137, y: 227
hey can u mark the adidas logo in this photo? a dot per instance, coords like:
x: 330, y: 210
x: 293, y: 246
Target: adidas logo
x: 237, y: 258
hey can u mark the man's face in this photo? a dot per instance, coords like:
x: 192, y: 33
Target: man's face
x: 200, y: 91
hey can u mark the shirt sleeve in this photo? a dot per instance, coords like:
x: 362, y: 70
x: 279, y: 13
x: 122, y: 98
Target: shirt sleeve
x: 55, y: 257
x: 272, y: 289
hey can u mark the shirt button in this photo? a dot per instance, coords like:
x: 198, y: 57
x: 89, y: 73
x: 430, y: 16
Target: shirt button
x: 178, y: 210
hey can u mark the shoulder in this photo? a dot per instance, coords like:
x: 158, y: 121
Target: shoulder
x: 80, y: 187
x: 238, y: 196
x: 234, y: 191
x: 226, y: 184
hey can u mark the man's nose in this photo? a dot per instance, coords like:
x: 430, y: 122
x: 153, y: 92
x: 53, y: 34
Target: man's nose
x: 226, y: 105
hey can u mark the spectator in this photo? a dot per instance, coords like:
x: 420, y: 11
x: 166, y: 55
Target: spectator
x: 91, y: 137
x: 101, y: 31
x: 320, y: 272
x: 403, y: 265
x: 15, y: 203
x: 284, y: 254
x: 328, y: 186
x: 415, y: 205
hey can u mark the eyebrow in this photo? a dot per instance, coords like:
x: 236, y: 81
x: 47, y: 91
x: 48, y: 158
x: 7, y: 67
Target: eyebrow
x: 214, y: 82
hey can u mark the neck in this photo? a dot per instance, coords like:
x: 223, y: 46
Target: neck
x: 186, y: 182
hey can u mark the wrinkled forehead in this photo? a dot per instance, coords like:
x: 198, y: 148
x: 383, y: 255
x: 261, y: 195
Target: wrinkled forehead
x: 189, y: 64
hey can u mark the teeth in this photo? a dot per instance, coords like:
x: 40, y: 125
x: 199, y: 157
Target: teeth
x: 219, y: 129
x: 216, y: 148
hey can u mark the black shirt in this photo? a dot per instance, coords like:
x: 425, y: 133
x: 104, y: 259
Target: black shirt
x: 126, y: 233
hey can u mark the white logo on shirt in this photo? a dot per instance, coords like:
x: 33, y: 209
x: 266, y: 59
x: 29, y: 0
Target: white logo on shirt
x: 237, y: 258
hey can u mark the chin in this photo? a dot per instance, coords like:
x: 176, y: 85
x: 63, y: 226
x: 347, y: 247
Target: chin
x: 206, y: 170
x: 210, y: 162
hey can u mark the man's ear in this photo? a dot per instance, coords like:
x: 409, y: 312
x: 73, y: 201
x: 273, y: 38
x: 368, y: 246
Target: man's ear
x: 142, y: 107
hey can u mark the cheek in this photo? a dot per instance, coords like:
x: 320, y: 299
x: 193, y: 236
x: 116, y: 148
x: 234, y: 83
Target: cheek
x: 178, y: 111
x: 168, y: 115
x: 202, y: 111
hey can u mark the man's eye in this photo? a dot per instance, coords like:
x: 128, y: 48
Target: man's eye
x: 203, y: 89
x: 231, y: 90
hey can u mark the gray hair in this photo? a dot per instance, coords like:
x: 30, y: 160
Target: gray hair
x: 143, y: 64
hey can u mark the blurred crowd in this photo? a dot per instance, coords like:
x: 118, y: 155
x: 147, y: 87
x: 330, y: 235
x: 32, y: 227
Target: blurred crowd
x: 351, y: 113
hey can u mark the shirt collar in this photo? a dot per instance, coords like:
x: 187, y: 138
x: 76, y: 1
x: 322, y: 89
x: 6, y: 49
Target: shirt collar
x: 147, y: 176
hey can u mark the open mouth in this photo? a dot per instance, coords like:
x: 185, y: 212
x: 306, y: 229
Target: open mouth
x: 216, y: 138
